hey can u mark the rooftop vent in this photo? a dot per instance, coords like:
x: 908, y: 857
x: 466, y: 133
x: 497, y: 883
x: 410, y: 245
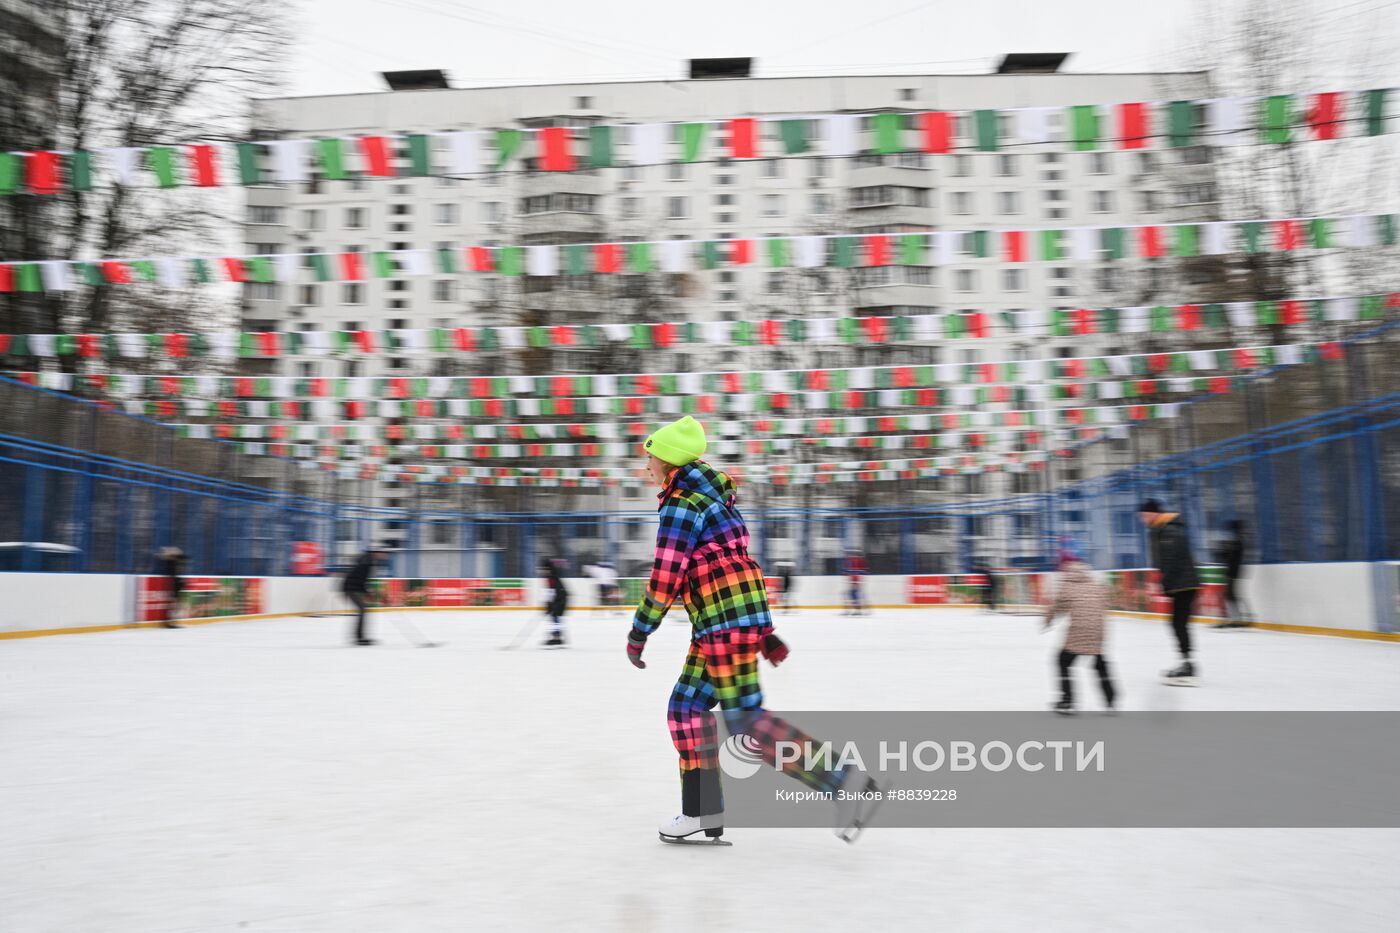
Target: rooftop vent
x: 1032, y: 63
x: 702, y: 68
x: 425, y: 80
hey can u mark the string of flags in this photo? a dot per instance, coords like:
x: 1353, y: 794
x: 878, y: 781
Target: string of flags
x: 1277, y: 119
x: 869, y: 330
x: 680, y: 256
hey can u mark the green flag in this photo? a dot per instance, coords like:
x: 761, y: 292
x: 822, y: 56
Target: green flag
x: 692, y: 137
x: 986, y: 130
x: 1181, y: 123
x: 331, y: 150
x: 576, y: 259
x: 777, y: 252
x: 446, y: 261
x: 794, y: 136
x: 1252, y: 233
x: 600, y: 146
x: 320, y: 266
x: 843, y: 251
x: 507, y: 145
x: 1276, y: 118
x: 11, y: 172
x: 248, y: 171
x: 979, y: 243
x: 1050, y: 245
x: 80, y: 170
x: 420, y: 158
x: 639, y: 257
x: 1084, y: 127
x: 1375, y: 112
x: 911, y: 249
x: 710, y: 254
x: 1112, y: 241
x: 1320, y: 233
x: 383, y: 263
x: 887, y: 133
x: 161, y: 160
x: 1186, y: 240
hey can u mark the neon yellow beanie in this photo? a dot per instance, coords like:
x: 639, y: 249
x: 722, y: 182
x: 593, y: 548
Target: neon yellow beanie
x: 679, y: 442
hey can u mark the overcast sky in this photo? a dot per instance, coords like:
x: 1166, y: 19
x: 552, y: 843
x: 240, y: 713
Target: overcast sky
x: 343, y: 44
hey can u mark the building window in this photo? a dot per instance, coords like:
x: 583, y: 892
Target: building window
x: 1050, y: 158
x: 907, y: 93
x: 445, y: 214
x: 772, y: 205
x: 1195, y: 155
x: 819, y: 168
x: 1203, y: 193
x: 1149, y: 201
x: 311, y: 220
x: 354, y: 218
x: 724, y: 218
x: 442, y: 289
x: 724, y: 179
x: 306, y: 370
x: 965, y: 280
x: 962, y: 202
x: 631, y: 207
x: 726, y: 277
x: 677, y: 208
x: 1008, y: 165
x: 1055, y: 213
x: 724, y: 200
x: 728, y: 296
x: 308, y: 295
x: 774, y: 284
x: 398, y: 285
x: 263, y: 291
x: 1147, y: 162
x: 631, y: 173
x: 962, y: 166
x: 263, y: 249
x: 1059, y: 272
x: 772, y: 168
x: 352, y: 293
x: 1013, y: 280
x: 1101, y: 202
x: 1108, y: 278
x: 821, y: 203
x: 1098, y: 163
x: 398, y: 228
x: 262, y: 214
x: 1008, y: 202
x: 583, y: 103
x: 491, y: 212
x: 400, y: 210
x: 676, y: 171
x: 1055, y: 194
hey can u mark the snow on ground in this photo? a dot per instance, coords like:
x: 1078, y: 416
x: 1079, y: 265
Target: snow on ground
x: 262, y: 777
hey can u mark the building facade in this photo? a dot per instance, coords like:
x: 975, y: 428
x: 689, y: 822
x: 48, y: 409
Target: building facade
x: 1024, y: 185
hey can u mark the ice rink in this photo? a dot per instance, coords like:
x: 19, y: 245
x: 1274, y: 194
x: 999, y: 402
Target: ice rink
x: 262, y: 776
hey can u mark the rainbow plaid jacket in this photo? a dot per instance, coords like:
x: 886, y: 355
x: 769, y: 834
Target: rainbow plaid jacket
x: 702, y: 557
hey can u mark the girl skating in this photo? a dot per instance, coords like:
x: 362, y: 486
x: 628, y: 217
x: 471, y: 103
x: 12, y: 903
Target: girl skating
x: 1084, y: 600
x: 702, y: 557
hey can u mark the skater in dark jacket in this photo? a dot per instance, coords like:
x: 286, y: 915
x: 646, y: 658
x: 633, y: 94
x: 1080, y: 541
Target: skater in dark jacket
x: 356, y: 589
x: 702, y: 558
x: 171, y: 565
x: 1171, y: 555
x: 558, y: 602
x: 1230, y: 555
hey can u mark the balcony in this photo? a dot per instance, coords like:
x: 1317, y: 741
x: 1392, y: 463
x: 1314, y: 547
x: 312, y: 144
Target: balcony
x: 567, y: 223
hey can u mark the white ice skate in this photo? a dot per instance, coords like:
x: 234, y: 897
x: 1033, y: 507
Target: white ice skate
x: 678, y: 830
x: 856, y: 802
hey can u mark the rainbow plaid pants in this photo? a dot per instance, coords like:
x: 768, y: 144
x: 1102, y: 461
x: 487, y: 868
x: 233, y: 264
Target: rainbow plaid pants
x: 722, y: 668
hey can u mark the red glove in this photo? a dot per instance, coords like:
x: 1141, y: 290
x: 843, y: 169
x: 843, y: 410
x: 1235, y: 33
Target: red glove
x: 636, y: 641
x: 773, y: 649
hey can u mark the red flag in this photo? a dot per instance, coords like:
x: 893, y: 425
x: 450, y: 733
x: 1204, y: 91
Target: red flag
x: 877, y: 249
x: 479, y: 387
x: 818, y: 380
x: 706, y: 404
x: 1220, y: 384
x: 481, y: 259
x: 554, y: 149
x: 117, y: 273
x: 1137, y: 412
x: 1286, y: 234
x: 1074, y: 368
x: 1083, y: 321
x: 1001, y: 394
x: 1147, y: 387
x: 243, y: 386
x: 234, y: 269
x: 855, y: 399
x: 493, y: 407
x: 977, y: 324
x: 203, y: 160
x: 7, y: 277
x: 87, y: 345
x: 936, y: 131
x: 743, y: 143
x: 1325, y: 115
x: 987, y: 372
x: 464, y: 338
x: 1158, y: 362
x: 874, y: 328
x: 904, y: 377
x: 1014, y: 245
x: 228, y: 408
x: 365, y: 340
x: 634, y: 405
x: 1150, y: 242
x: 607, y: 257
x: 398, y: 387
x: 562, y: 335
x: 1292, y: 312
x: 768, y: 333
x: 740, y: 252
x: 377, y: 157
x: 664, y: 334
x: 268, y: 344
x: 1189, y: 317
x: 352, y: 267
x: 561, y: 386
x: 1132, y: 125
x: 1244, y: 359
x: 1331, y: 350
x: 926, y: 398
x: 41, y: 169
x: 320, y: 387
x: 730, y: 383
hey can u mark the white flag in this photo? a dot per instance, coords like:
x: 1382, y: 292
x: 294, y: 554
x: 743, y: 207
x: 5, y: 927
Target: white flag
x: 1241, y: 313
x: 842, y: 134
x: 1215, y: 238
x: 290, y: 159
x: 1230, y: 120
x: 649, y: 143
x: 810, y: 251
x: 675, y: 256
x: 542, y: 260
x: 1361, y: 230
x: 124, y: 163
x: 1083, y: 243
x: 414, y: 261
x: 463, y: 152
x: 1033, y: 124
x: 1342, y: 309
x: 132, y: 346
x: 1134, y: 320
x: 55, y: 273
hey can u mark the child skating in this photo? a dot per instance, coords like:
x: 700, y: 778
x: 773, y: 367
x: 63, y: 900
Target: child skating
x: 558, y: 603
x: 1085, y: 601
x: 702, y: 557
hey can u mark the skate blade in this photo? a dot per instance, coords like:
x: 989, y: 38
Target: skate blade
x: 1181, y: 682
x: 863, y: 818
x: 687, y: 841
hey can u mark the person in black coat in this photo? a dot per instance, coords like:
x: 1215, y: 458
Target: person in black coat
x: 1230, y: 555
x: 171, y: 565
x: 558, y: 602
x: 356, y: 589
x: 1171, y: 555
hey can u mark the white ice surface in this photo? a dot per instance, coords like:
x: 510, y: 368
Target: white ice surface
x: 262, y: 777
